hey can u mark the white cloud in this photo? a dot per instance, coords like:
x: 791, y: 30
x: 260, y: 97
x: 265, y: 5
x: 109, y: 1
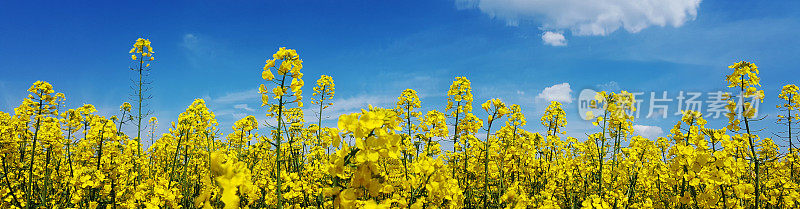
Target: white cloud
x: 238, y: 115
x: 243, y: 107
x: 650, y: 132
x: 192, y: 43
x: 355, y: 104
x: 189, y: 40
x: 233, y: 106
x: 554, y: 39
x: 239, y: 96
x: 199, y: 50
x: 588, y: 17
x: 349, y: 105
x: 610, y: 86
x: 559, y: 92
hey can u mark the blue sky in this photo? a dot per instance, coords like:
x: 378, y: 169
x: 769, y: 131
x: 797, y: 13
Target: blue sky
x: 375, y: 49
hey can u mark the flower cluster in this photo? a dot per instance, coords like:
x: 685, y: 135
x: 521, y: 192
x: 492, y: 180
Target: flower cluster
x: 56, y: 157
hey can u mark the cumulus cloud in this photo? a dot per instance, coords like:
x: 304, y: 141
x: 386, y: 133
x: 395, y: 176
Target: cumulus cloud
x: 650, y: 132
x: 588, y: 17
x: 554, y: 39
x: 559, y: 92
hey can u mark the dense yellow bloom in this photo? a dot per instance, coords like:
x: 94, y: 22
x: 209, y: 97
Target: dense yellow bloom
x: 460, y: 92
x: 56, y: 157
x: 267, y: 74
x: 325, y: 90
x: 554, y: 117
x: 142, y: 47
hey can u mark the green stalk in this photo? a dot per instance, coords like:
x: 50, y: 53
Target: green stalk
x: 33, y: 152
x: 486, y: 164
x: 175, y: 158
x: 139, y: 110
x: 600, y: 154
x: 754, y: 157
x: 791, y: 146
x: 455, y: 137
x: 278, y: 191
